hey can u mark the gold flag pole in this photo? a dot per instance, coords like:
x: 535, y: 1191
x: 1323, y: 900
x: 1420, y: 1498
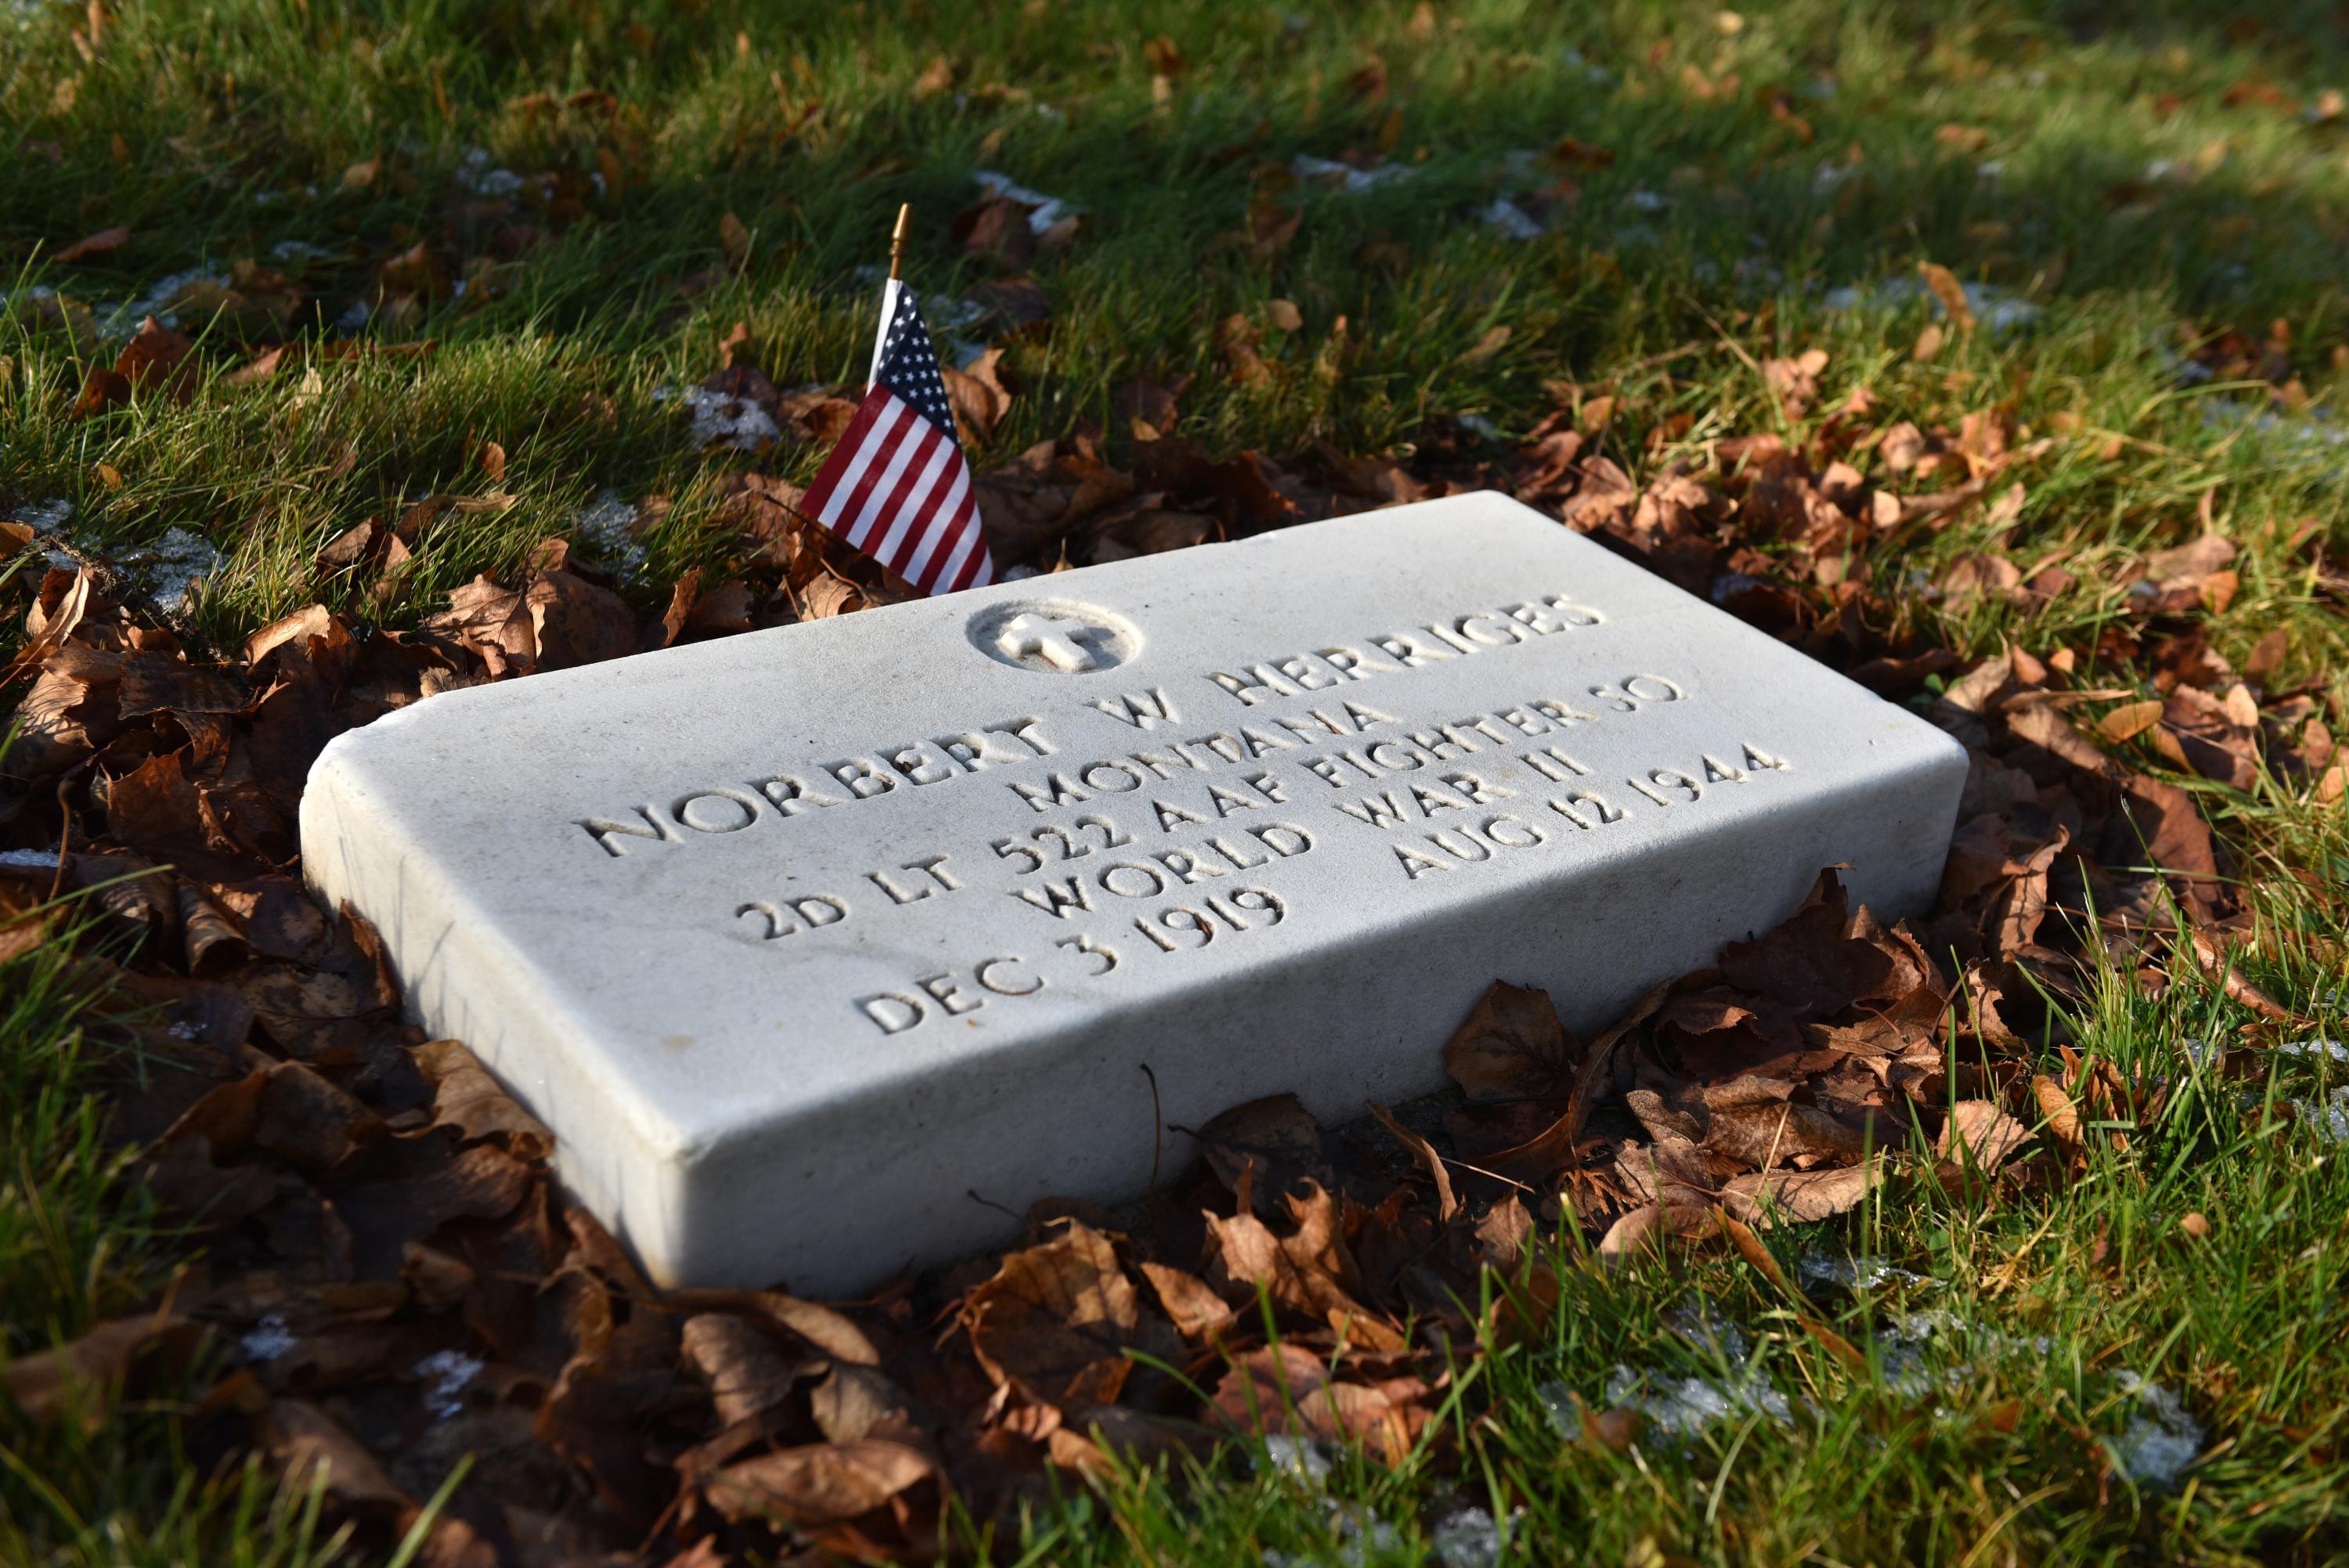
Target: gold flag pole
x: 898, y: 240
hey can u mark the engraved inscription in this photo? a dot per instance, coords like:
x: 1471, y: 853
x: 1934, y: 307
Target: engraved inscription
x: 729, y: 808
x: 1174, y: 929
x: 1475, y: 840
x: 1176, y: 839
x: 1391, y: 653
x: 791, y: 915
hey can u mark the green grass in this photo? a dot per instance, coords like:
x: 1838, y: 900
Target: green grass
x: 1713, y: 240
x: 79, y: 1243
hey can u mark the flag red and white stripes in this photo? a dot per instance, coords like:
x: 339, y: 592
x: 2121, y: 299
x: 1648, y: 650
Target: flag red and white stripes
x: 896, y: 487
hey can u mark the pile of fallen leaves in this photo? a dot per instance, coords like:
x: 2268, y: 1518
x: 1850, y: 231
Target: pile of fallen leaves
x: 389, y: 1280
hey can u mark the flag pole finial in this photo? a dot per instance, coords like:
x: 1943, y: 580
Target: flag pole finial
x: 898, y: 239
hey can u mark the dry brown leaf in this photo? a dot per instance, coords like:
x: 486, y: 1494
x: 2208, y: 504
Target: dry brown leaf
x: 1056, y: 1320
x: 1650, y: 1225
x: 82, y: 1377
x: 2128, y: 721
x: 106, y: 242
x: 1749, y: 1247
x: 2062, y: 1116
x: 977, y: 394
x: 1763, y: 1199
x: 1795, y: 381
x: 467, y: 1098
x: 820, y: 1484
x: 1199, y: 1314
x: 312, y: 1450
x: 1502, y: 1233
x: 1272, y: 1145
x: 1446, y: 1205
x: 1977, y: 1133
x: 1511, y: 1046
x: 1950, y: 292
x: 2233, y: 983
x: 745, y: 1373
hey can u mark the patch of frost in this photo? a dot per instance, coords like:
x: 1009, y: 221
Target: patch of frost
x: 1511, y: 219
x: 2309, y: 433
x: 1468, y: 1539
x: 605, y: 523
x: 1597, y: 76
x: 722, y: 421
x: 1860, y: 1272
x: 2329, y: 1116
x: 1049, y: 210
x: 476, y: 173
x: 122, y: 319
x: 1352, y: 180
x: 446, y: 1373
x: 29, y: 859
x: 1300, y: 1458
x: 1685, y: 1406
x: 299, y: 251
x: 268, y: 1339
x: 180, y: 562
x: 1999, y: 311
x: 46, y: 516
x: 2160, y: 1441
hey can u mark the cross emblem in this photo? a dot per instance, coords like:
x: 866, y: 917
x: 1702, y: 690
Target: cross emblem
x: 1061, y: 644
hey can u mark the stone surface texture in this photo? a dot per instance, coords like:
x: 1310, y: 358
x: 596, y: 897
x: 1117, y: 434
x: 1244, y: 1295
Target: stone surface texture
x: 798, y: 938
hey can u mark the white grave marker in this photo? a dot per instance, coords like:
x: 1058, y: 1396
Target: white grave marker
x: 797, y: 938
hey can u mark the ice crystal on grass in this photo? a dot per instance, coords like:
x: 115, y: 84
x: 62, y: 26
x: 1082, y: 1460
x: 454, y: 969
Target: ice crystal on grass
x: 49, y: 516
x: 605, y: 525
x: 445, y: 1374
x: 1352, y: 180
x: 719, y: 420
x: 1858, y: 1271
x: 2160, y: 1439
x: 1996, y: 310
x: 2329, y: 1116
x: 122, y: 319
x: 1049, y: 210
x: 180, y: 562
x: 477, y: 173
x: 29, y: 859
x: 1300, y: 1459
x: 1511, y: 219
x: 1686, y: 1405
x: 1468, y: 1539
x: 268, y: 1339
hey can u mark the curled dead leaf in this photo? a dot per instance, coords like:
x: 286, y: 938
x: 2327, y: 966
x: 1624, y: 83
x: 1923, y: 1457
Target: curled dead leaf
x: 820, y: 1484
x: 1977, y: 1133
x: 1511, y: 1044
x: 1056, y: 1320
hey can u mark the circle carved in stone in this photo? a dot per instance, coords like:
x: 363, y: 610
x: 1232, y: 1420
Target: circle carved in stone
x: 1055, y: 636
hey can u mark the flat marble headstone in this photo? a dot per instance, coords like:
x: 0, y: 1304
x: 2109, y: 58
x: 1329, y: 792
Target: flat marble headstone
x: 799, y: 939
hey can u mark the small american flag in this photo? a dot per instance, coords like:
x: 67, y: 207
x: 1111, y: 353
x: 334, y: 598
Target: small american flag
x: 896, y: 487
